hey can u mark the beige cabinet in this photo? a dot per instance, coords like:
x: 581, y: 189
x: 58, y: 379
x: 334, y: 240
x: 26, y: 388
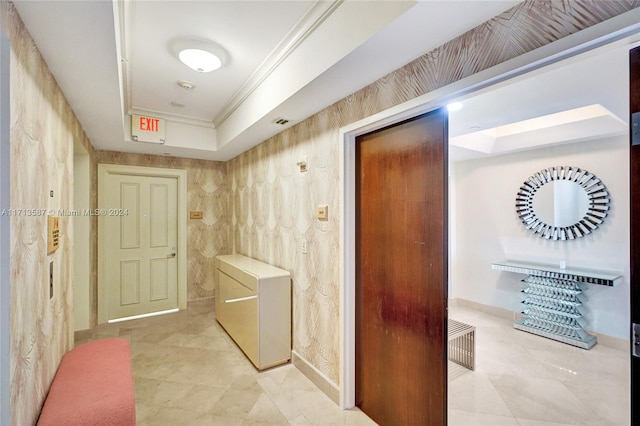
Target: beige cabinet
x: 253, y: 304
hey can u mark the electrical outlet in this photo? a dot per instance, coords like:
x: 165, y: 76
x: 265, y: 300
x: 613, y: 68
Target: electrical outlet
x: 304, y: 246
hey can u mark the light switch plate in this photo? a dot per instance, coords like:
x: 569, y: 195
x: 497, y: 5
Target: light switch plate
x: 323, y: 212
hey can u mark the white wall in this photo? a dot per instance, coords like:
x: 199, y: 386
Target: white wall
x: 486, y: 229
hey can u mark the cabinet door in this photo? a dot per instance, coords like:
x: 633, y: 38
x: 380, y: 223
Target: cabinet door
x: 238, y: 314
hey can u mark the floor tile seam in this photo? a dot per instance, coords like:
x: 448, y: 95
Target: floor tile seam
x: 478, y: 412
x: 596, y: 382
x: 302, y: 410
x: 528, y: 422
x: 284, y: 394
x: 274, y: 404
x: 298, y: 417
x: 586, y: 403
x: 535, y: 421
x: 192, y: 385
x: 594, y: 415
x: 504, y: 401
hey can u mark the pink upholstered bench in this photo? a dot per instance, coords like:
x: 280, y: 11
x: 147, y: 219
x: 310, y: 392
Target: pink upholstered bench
x: 93, y: 386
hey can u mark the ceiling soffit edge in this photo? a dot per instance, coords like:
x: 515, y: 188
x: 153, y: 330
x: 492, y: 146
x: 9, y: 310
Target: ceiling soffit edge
x: 118, y: 21
x: 176, y: 118
x: 124, y: 14
x: 314, y: 17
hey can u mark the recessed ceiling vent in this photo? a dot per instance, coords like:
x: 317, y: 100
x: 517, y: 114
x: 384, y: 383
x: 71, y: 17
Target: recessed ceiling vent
x: 281, y: 121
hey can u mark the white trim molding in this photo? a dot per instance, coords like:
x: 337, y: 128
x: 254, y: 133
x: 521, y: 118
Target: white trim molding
x: 315, y: 16
x: 5, y: 229
x: 181, y: 175
x: 325, y: 384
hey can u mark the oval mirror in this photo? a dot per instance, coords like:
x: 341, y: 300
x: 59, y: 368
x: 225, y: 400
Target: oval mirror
x: 562, y: 203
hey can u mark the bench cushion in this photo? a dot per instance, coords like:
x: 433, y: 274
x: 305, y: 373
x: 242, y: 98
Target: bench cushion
x: 93, y: 386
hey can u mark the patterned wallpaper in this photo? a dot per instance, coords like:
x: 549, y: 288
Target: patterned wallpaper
x: 43, y: 129
x: 206, y: 191
x: 273, y: 205
x: 270, y: 207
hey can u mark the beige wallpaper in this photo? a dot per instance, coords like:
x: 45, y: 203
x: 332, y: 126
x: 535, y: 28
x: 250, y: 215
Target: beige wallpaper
x: 270, y: 207
x: 43, y: 129
x: 206, y: 191
x: 273, y: 205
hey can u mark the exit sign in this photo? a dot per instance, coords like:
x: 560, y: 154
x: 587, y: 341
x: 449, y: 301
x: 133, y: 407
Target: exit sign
x: 147, y: 129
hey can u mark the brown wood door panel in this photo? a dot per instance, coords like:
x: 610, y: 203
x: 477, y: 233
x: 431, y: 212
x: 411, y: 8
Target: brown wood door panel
x: 401, y: 272
x: 634, y: 104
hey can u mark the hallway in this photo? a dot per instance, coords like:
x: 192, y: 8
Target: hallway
x: 188, y: 371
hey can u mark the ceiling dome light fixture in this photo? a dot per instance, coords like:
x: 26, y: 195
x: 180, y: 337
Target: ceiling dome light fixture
x: 200, y: 60
x: 199, y: 55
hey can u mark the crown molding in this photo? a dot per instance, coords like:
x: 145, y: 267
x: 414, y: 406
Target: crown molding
x: 125, y: 18
x: 314, y: 17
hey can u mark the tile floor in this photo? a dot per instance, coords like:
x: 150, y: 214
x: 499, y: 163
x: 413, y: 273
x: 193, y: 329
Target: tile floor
x: 187, y: 371
x: 523, y: 379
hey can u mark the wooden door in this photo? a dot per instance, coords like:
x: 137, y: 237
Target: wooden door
x: 634, y: 96
x: 141, y: 273
x: 401, y: 272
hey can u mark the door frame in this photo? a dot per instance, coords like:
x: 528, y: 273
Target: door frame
x: 634, y: 172
x: 5, y: 232
x: 104, y: 170
x: 606, y: 32
x: 81, y: 238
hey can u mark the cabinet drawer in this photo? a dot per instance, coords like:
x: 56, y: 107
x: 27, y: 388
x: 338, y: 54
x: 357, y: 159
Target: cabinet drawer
x: 239, y: 275
x: 238, y: 314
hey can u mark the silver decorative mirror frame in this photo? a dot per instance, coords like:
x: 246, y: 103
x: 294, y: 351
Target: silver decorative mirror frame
x: 597, y: 194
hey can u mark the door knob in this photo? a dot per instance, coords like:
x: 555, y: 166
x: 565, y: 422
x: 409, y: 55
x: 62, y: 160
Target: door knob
x: 171, y: 255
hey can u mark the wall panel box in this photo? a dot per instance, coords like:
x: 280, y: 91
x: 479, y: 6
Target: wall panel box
x: 253, y: 305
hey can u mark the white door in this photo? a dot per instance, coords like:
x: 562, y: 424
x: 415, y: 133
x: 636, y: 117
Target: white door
x: 141, y: 268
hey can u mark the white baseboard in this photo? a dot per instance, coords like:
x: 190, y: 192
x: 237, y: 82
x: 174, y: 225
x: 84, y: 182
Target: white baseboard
x: 487, y: 309
x: 612, y: 342
x: 318, y: 378
x: 603, y: 339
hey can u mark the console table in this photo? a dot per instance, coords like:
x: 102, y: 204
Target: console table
x: 552, y: 302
